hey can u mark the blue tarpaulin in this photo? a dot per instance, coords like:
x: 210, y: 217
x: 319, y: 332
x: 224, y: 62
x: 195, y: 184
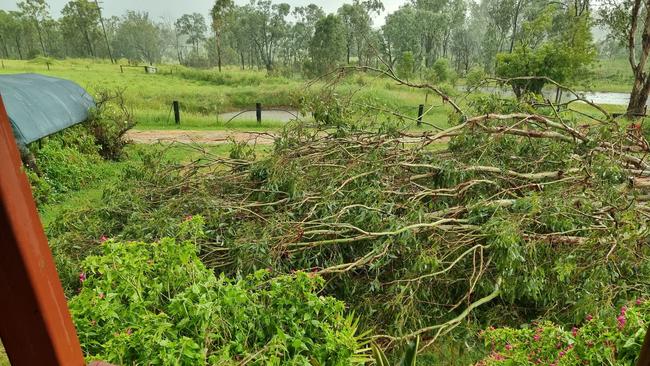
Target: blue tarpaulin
x: 39, y: 105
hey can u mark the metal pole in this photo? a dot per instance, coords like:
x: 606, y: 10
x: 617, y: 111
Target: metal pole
x: 258, y: 112
x: 177, y: 112
x: 35, y: 325
x: 101, y: 20
x: 420, y: 114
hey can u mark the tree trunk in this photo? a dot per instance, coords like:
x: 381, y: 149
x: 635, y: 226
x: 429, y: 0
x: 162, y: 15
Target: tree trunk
x: 514, y: 26
x: 241, y: 57
x: 4, y: 47
x: 40, y: 37
x: 219, y: 56
x: 20, y: 53
x: 638, y: 97
x: 641, y: 88
x: 88, y: 43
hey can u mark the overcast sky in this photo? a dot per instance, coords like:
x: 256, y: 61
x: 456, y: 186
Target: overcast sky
x: 175, y: 8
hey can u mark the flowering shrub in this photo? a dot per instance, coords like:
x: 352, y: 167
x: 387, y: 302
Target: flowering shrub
x: 614, y: 339
x: 157, y: 304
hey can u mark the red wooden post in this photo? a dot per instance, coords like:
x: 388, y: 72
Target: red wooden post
x: 35, y: 325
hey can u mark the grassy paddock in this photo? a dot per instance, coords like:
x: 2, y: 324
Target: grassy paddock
x: 204, y: 94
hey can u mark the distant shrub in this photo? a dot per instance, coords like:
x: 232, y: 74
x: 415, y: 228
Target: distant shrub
x: 158, y: 304
x: 406, y: 66
x: 109, y: 122
x: 442, y: 71
x: 475, y: 76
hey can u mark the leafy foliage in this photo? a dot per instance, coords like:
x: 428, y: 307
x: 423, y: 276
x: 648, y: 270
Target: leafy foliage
x: 393, y: 224
x: 613, y: 338
x: 544, y: 54
x: 327, y: 47
x: 158, y: 304
x: 66, y: 163
x: 109, y: 122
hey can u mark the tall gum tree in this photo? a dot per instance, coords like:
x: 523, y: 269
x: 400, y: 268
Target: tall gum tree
x: 629, y: 23
x: 38, y: 11
x: 221, y: 12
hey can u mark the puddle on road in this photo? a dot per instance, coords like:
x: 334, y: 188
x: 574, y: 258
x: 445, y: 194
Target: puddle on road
x: 272, y: 115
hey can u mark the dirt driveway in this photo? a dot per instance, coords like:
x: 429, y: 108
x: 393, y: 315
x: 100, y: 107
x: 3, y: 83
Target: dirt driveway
x: 198, y: 137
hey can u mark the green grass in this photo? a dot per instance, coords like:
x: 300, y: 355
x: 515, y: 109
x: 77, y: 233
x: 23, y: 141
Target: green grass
x: 612, y: 75
x: 4, y: 359
x: 204, y: 94
x: 109, y: 172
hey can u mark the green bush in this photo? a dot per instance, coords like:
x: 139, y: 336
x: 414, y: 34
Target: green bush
x: 66, y: 162
x: 406, y: 65
x: 615, y: 338
x: 475, y: 76
x: 442, y: 71
x: 109, y: 122
x: 158, y: 304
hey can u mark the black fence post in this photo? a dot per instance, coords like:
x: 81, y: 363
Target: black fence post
x: 258, y: 112
x: 177, y: 112
x: 420, y: 114
x: 121, y: 69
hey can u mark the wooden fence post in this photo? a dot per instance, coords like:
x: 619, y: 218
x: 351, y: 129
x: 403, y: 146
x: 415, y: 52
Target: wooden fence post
x: 177, y: 112
x: 258, y: 112
x: 420, y: 114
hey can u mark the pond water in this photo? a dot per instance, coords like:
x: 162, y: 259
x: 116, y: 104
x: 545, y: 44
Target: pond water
x: 595, y: 97
x: 267, y: 115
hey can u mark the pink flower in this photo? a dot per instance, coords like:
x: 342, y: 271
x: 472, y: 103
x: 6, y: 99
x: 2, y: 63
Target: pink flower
x: 574, y: 331
x: 623, y: 310
x: 621, y: 321
x: 188, y: 218
x: 498, y: 356
x: 537, y: 337
x: 82, y: 277
x: 562, y: 353
x: 509, y: 347
x: 589, y: 317
x: 101, y: 295
x: 103, y: 239
x: 639, y: 301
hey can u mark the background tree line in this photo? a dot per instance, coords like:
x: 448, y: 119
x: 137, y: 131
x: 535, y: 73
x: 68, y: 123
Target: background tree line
x: 429, y: 39
x: 270, y: 35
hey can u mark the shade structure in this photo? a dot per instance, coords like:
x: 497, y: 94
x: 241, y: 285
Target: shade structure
x: 40, y: 105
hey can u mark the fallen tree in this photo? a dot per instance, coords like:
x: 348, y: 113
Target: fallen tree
x: 504, y: 217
